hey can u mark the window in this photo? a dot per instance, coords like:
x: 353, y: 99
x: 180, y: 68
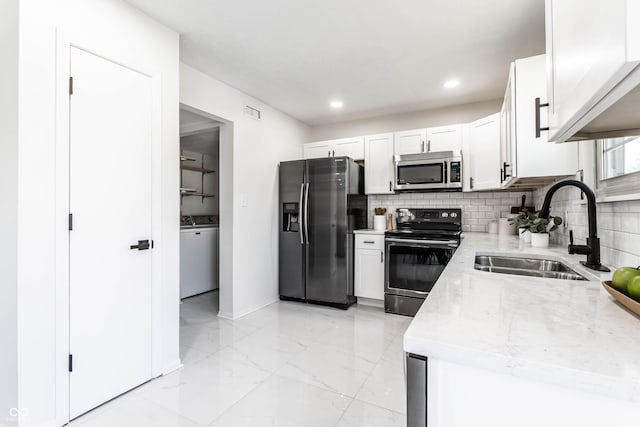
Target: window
x: 619, y: 168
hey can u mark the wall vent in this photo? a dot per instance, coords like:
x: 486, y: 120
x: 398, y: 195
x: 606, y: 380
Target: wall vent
x: 252, y: 112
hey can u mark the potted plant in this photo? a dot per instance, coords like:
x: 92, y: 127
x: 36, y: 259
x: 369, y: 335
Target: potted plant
x: 540, y: 229
x: 522, y: 222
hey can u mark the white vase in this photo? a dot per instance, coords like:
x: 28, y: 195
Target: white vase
x: 379, y: 222
x: 540, y: 240
x: 524, y: 235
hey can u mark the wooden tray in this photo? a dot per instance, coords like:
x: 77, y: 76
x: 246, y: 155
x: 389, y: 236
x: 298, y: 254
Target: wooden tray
x: 631, y: 304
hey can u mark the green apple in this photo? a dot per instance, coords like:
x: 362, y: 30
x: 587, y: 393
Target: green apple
x: 622, y: 276
x: 634, y: 288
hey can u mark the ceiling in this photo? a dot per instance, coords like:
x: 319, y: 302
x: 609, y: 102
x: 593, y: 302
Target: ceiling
x: 378, y: 56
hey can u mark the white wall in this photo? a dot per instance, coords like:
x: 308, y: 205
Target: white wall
x: 406, y: 121
x: 119, y: 32
x: 248, y: 188
x: 8, y: 205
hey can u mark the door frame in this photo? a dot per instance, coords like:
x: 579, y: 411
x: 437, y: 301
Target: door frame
x: 64, y: 43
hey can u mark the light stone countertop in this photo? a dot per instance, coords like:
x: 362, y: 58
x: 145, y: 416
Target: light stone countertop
x: 564, y: 332
x: 368, y: 231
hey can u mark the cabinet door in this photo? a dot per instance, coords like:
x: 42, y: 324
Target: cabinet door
x: 369, y: 273
x: 444, y: 138
x: 533, y: 153
x: 314, y: 150
x: 350, y: 147
x: 508, y: 128
x: 591, y: 49
x: 410, y: 142
x: 378, y: 164
x: 483, y: 153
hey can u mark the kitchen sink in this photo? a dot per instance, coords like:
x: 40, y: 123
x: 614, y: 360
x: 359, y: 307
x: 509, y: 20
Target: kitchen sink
x: 532, y: 267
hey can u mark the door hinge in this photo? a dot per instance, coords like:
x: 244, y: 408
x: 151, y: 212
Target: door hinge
x: 70, y: 222
x: 71, y: 363
x: 70, y: 85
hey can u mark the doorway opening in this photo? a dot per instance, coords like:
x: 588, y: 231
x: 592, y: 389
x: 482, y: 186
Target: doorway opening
x: 199, y: 207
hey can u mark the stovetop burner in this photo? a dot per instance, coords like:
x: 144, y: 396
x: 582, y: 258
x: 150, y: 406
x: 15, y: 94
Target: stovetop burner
x: 443, y: 224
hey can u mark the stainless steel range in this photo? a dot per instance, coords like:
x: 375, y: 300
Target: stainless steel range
x: 417, y: 252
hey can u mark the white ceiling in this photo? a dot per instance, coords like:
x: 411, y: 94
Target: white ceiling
x: 378, y: 56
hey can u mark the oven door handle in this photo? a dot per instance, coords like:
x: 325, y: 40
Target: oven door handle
x: 428, y: 242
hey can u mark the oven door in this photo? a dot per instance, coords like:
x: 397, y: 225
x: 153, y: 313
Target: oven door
x: 412, y: 267
x: 420, y: 175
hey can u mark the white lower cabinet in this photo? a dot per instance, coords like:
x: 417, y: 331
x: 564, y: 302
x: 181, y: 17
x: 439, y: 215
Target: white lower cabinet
x: 369, y: 266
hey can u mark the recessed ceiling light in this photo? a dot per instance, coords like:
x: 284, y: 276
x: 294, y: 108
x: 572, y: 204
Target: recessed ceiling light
x: 451, y: 84
x: 336, y: 104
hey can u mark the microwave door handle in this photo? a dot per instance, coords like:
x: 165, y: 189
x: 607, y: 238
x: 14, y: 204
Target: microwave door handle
x: 447, y: 165
x: 300, y: 215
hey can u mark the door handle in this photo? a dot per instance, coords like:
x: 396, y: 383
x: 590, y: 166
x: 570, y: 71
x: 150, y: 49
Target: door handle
x: 300, y: 215
x: 306, y: 213
x: 538, y: 107
x: 142, y: 245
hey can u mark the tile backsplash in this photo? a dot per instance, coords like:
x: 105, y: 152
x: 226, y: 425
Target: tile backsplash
x: 618, y: 225
x: 478, y: 209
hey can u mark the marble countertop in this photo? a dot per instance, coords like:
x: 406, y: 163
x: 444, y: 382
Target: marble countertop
x: 368, y: 231
x: 564, y: 332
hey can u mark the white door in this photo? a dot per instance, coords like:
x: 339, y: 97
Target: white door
x: 484, y: 143
x: 315, y: 150
x: 444, y: 138
x: 378, y: 162
x: 369, y: 273
x: 350, y: 147
x: 110, y: 200
x: 410, y: 141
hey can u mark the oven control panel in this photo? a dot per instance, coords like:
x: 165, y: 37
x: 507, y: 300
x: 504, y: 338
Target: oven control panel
x: 429, y: 215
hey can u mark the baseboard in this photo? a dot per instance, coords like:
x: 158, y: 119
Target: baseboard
x: 229, y: 316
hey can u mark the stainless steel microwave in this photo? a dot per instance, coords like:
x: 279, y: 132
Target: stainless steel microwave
x: 437, y: 170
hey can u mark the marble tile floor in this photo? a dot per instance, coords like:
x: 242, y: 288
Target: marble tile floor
x: 287, y: 365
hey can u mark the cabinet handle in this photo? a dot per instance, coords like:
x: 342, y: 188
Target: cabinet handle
x: 381, y: 257
x: 581, y: 172
x: 538, y: 107
x: 370, y: 242
x: 333, y: 153
x: 390, y: 186
x: 422, y: 146
x: 471, y: 183
x: 506, y: 165
x: 501, y: 176
x: 329, y: 153
x: 428, y: 145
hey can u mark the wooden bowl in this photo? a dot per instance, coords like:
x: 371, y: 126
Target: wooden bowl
x: 628, y: 302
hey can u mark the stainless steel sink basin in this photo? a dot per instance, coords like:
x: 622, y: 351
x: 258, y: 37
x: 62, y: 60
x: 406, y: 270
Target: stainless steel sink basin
x: 532, y: 267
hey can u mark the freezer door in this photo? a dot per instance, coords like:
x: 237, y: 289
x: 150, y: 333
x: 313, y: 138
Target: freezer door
x: 328, y: 248
x: 291, y: 243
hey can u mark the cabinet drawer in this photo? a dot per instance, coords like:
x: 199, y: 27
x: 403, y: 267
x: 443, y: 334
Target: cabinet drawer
x: 370, y: 241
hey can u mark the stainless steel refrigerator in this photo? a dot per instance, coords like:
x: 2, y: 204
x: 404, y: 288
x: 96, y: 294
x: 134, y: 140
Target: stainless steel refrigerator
x: 321, y: 202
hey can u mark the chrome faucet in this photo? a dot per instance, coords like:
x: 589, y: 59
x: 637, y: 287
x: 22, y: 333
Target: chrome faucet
x: 592, y: 248
x: 193, y: 221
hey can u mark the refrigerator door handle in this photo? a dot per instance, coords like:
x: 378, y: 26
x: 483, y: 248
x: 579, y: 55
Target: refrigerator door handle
x: 306, y: 213
x: 300, y: 213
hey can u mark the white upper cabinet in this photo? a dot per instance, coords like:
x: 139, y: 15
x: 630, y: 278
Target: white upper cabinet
x: 523, y: 153
x: 378, y: 160
x: 410, y: 141
x: 481, y: 154
x: 350, y: 147
x: 593, y: 53
x: 314, y: 150
x: 444, y: 138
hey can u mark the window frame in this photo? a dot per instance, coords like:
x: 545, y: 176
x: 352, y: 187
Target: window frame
x: 619, y: 188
